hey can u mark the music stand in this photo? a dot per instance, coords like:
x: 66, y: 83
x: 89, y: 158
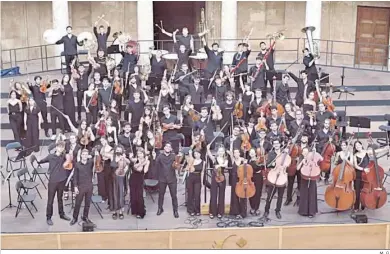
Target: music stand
x: 359, y: 122
x: 10, y: 205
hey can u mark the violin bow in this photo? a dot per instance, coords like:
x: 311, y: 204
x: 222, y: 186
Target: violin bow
x: 212, y: 79
x: 58, y: 110
x: 220, y: 131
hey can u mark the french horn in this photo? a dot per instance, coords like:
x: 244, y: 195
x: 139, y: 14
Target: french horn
x: 86, y: 40
x: 51, y: 36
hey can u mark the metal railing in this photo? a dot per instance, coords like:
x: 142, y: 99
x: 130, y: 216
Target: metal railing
x: 42, y: 58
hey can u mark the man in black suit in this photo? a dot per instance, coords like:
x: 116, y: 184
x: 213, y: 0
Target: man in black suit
x: 70, y: 47
x: 196, y: 91
x: 102, y: 36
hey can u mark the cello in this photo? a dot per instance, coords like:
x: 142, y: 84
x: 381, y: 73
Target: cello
x: 340, y: 195
x: 373, y: 194
x: 327, y: 154
x: 278, y: 175
x: 245, y: 188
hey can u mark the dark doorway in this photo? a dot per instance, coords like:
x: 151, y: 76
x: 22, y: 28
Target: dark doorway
x: 175, y: 15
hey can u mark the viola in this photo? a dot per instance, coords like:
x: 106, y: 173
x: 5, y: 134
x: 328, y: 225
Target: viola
x: 194, y: 116
x: 84, y: 140
x: 24, y: 96
x: 98, y: 163
x: 238, y: 111
x: 340, y: 195
x: 327, y: 153
x: 158, y: 143
x: 216, y: 111
x: 277, y: 176
x: 373, y: 194
x: 328, y: 102
x: 68, y: 164
x: 310, y: 169
x: 245, y: 188
x: 167, y: 126
x: 245, y: 143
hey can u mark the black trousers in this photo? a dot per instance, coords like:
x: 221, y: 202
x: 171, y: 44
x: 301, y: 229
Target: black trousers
x: 173, y: 191
x: 358, y: 186
x: 92, y: 116
x: 193, y: 189
x: 68, y: 61
x: 290, y: 185
x: 271, y: 190
x: 53, y: 189
x: 217, y: 197
x: 85, y: 192
x: 54, y: 115
x: 43, y: 107
x: 255, y: 200
x: 15, y: 120
x: 80, y: 98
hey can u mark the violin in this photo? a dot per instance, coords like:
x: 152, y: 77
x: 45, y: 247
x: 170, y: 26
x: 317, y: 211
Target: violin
x: 340, y: 195
x: 68, y: 164
x: 277, y: 176
x: 310, y: 169
x: 169, y: 126
x: 245, y: 143
x: 245, y: 188
x: 373, y: 194
x: 327, y: 153
x: 216, y: 110
x: 117, y: 87
x: 194, y: 116
x: 177, y: 162
x: 84, y: 140
x: 261, y: 122
x: 102, y: 130
x: 278, y: 106
x: 43, y: 86
x: 219, y: 176
x: 238, y: 111
x: 261, y: 156
x: 94, y: 99
x: 158, y: 137
x: 328, y: 102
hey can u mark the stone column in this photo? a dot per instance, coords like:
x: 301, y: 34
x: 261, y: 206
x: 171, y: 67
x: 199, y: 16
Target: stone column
x: 229, y: 29
x: 313, y: 18
x: 145, y: 28
x: 60, y: 22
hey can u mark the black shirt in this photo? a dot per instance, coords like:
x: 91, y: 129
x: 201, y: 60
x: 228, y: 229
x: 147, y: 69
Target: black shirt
x: 137, y: 110
x: 56, y: 170
x: 57, y: 99
x: 37, y: 95
x: 214, y: 61
x: 104, y: 97
x: 243, y: 58
x: 166, y: 173
x: 102, y: 38
x: 270, y: 59
x: 170, y: 134
x: 82, y: 82
x: 157, y: 67
x: 184, y: 40
x: 129, y: 62
x: 83, y: 174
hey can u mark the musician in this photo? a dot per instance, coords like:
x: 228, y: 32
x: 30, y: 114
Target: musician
x: 130, y: 59
x: 105, y: 94
x: 289, y: 115
x: 97, y: 80
x: 166, y: 96
x: 195, y: 166
x: 240, y: 63
x: 271, y: 190
x: 247, y: 97
x: 227, y: 108
x: 70, y: 47
x: 136, y: 109
x: 310, y: 65
x: 215, y: 58
x: 305, y: 86
x: 167, y: 177
x: 117, y: 85
x: 69, y: 105
x: 299, y: 122
x: 237, y: 205
x: 133, y: 86
x: 323, y: 137
x: 99, y: 63
x: 158, y: 70
x: 219, y: 90
x: 257, y: 76
x: 138, y: 171
x: 303, y: 144
x: 184, y: 79
x: 103, y: 178
x: 112, y: 131
x: 361, y: 160
x: 32, y: 124
x: 71, y: 148
x: 57, y: 179
x: 116, y: 198
x: 90, y: 104
x: 205, y: 126
x: 183, y: 52
x: 270, y: 72
x: 196, y: 91
x: 15, y: 108
x: 258, y: 179
x: 83, y: 174
x: 102, y: 36
x: 82, y: 86
x: 261, y: 141
x: 57, y: 101
x: 258, y: 102
x: 234, y: 139
x: 283, y: 90
x: 274, y: 132
x: 344, y: 154
x: 40, y: 99
x: 308, y: 205
x: 172, y: 123
x: 218, y: 164
x: 273, y: 117
x: 322, y: 115
x: 83, y: 131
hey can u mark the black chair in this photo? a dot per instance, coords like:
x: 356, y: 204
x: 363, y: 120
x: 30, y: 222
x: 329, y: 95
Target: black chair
x: 14, y: 159
x: 38, y: 170
x: 27, y: 184
x: 150, y: 186
x: 24, y: 199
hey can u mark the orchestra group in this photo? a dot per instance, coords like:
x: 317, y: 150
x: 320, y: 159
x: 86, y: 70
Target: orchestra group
x: 190, y: 115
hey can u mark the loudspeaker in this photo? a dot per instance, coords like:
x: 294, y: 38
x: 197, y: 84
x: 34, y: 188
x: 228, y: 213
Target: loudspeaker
x: 361, y: 218
x: 88, y: 227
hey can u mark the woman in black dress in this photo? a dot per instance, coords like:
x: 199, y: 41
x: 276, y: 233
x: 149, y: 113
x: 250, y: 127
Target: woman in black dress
x: 258, y: 179
x: 91, y: 104
x: 117, y: 95
x: 15, y: 115
x: 116, y: 195
x: 218, y: 164
x: 309, y: 105
x: 104, y: 178
x: 187, y: 121
x: 22, y: 94
x: 152, y: 153
x: 112, y: 132
x: 140, y: 167
x: 69, y: 104
x: 195, y: 167
x: 247, y: 97
x: 289, y: 114
x: 32, y: 122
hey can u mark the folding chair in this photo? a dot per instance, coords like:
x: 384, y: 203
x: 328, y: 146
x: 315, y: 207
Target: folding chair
x: 150, y: 187
x: 24, y: 199
x: 27, y: 184
x: 96, y: 200
x: 13, y: 159
x: 38, y: 170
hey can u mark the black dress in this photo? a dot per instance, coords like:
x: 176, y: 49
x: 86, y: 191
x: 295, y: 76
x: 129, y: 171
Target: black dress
x: 92, y: 116
x: 246, y: 101
x: 116, y: 197
x: 187, y: 127
x: 15, y: 120
x: 32, y: 123
x: 358, y: 182
x: 137, y: 193
x: 194, y: 186
x: 69, y: 106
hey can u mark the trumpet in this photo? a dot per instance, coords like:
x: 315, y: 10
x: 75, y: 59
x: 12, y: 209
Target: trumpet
x: 279, y: 35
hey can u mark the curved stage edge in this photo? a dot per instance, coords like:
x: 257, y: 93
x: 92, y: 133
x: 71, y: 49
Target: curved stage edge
x: 342, y: 236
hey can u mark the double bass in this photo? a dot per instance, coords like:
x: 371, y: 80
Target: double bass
x: 340, y: 195
x: 245, y: 188
x: 278, y: 175
x: 373, y: 194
